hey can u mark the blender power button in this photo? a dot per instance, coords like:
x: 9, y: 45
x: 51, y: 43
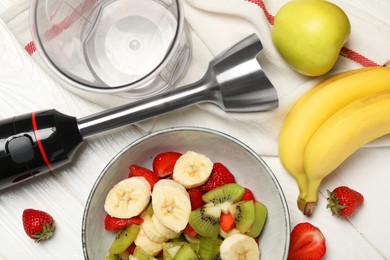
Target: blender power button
x: 20, y: 149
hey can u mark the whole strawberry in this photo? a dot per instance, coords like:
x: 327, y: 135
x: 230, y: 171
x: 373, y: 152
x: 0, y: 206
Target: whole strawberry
x: 344, y: 201
x: 38, y: 224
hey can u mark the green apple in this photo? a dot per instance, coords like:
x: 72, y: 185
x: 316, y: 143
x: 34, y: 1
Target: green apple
x: 309, y: 35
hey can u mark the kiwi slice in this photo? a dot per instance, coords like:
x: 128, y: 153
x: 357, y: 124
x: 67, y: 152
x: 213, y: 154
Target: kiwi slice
x: 195, y: 247
x: 243, y: 213
x: 186, y: 252
x: 209, y: 248
x: 123, y: 239
x: 261, y: 213
x: 192, y: 240
x: 230, y: 193
x: 140, y: 254
x: 111, y: 257
x: 170, y: 249
x: 205, y: 221
x: 179, y: 239
x: 124, y: 255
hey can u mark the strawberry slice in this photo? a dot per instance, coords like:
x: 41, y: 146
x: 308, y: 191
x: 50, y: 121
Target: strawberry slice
x: 226, y: 222
x: 220, y: 175
x: 164, y: 163
x: 115, y: 224
x: 195, y: 198
x: 306, y: 243
x: 248, y: 195
x: 190, y: 231
x: 131, y: 248
x: 139, y: 171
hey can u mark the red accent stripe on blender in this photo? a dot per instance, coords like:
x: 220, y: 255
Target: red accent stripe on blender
x: 39, y: 142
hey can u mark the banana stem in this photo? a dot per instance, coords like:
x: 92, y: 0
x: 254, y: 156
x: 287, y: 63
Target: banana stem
x: 308, y: 203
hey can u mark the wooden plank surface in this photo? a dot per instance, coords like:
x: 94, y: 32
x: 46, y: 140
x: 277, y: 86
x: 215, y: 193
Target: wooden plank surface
x: 63, y: 194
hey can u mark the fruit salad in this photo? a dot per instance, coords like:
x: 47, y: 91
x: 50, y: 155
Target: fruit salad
x: 187, y: 207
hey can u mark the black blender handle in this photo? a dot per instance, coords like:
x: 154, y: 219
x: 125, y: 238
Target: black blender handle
x: 36, y: 143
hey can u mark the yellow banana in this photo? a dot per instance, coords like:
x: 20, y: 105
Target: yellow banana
x: 315, y: 107
x: 341, y: 135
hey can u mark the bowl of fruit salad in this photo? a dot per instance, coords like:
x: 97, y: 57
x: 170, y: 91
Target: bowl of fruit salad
x: 186, y: 193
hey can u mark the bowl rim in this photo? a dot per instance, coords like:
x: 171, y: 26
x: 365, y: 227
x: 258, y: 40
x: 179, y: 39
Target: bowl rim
x: 196, y: 129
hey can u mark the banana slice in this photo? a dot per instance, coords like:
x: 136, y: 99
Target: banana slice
x: 151, y: 231
x: 239, y: 246
x: 149, y: 246
x: 128, y: 198
x: 192, y: 169
x: 163, y: 230
x: 171, y: 204
x: 170, y: 184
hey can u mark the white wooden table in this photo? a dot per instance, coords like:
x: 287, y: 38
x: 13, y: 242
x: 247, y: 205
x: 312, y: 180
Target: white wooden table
x: 64, y: 193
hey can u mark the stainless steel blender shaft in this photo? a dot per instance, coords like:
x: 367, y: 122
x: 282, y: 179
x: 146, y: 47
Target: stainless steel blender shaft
x: 39, y: 142
x: 234, y: 81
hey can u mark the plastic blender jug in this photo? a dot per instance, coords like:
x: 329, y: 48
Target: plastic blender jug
x: 135, y: 47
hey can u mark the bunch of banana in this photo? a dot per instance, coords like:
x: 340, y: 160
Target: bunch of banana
x: 329, y: 123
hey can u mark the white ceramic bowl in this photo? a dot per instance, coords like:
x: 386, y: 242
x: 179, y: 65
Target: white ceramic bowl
x: 249, y: 170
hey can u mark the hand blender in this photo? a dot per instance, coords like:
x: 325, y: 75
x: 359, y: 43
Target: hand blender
x: 39, y: 142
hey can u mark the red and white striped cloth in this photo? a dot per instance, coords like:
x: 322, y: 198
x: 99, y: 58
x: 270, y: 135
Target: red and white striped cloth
x: 216, y: 25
